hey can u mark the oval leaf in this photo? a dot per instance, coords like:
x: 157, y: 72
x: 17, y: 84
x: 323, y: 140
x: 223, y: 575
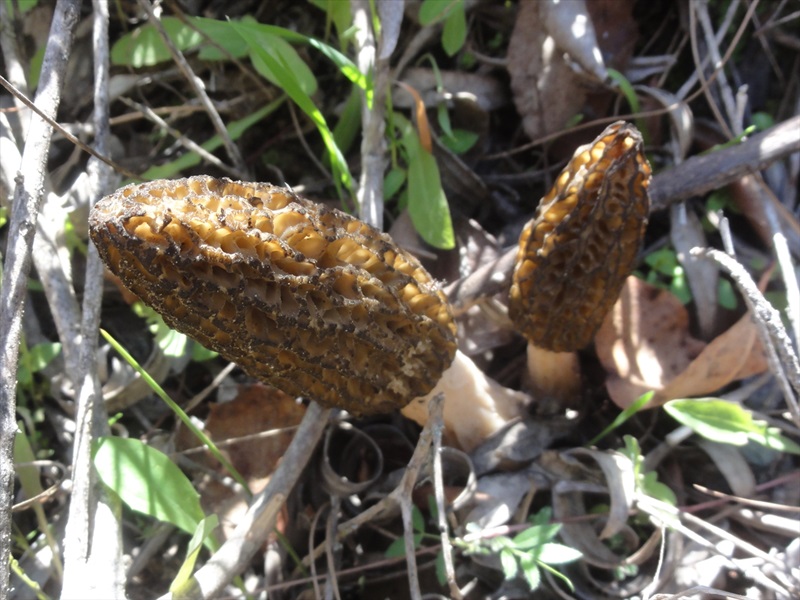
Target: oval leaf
x: 148, y: 482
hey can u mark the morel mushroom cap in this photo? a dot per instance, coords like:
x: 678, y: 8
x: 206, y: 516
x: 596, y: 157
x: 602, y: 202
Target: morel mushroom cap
x: 306, y: 298
x: 582, y: 243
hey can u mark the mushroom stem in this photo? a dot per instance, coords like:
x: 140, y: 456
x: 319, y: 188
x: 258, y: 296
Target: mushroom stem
x: 475, y: 406
x: 554, y: 379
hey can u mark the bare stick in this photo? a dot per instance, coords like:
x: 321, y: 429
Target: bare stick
x: 28, y: 197
x: 701, y: 174
x: 373, y: 144
x: 444, y: 534
x: 783, y: 359
x: 93, y: 540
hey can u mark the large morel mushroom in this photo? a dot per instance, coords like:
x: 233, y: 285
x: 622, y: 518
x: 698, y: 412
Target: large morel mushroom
x: 303, y: 297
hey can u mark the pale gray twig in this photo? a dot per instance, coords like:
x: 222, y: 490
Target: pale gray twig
x: 444, y: 531
x: 373, y: 143
x: 93, y: 538
x: 28, y: 197
x: 783, y: 359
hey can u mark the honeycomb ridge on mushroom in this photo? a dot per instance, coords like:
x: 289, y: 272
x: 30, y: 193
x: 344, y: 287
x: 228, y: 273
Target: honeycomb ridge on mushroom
x: 301, y: 296
x: 582, y: 243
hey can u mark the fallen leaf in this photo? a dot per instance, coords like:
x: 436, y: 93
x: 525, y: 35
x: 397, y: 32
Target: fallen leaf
x: 546, y: 90
x: 253, y: 431
x: 644, y: 344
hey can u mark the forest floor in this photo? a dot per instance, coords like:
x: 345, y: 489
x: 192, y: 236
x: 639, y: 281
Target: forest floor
x: 656, y: 457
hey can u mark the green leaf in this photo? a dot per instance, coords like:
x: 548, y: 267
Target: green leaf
x: 726, y: 295
x: 201, y: 353
x: 183, y: 583
x: 455, y: 30
x: 41, y: 355
x: 224, y: 36
x: 728, y: 423
x: 34, y: 359
x: 148, y: 481
x: 531, y: 572
x: 417, y: 520
x: 427, y: 204
x: 441, y: 571
x: 143, y: 47
x: 508, y: 561
x: 393, y: 181
x: 460, y: 141
x: 281, y: 70
x: 650, y: 485
x: 626, y: 414
x: 535, y: 536
x: 431, y: 11
x: 172, y: 343
x: 274, y: 50
x: 398, y: 547
x: 557, y: 554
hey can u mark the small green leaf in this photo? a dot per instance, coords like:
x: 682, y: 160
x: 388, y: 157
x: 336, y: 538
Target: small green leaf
x: 41, y: 355
x: 418, y: 520
x: 398, y: 547
x: 725, y: 295
x: 651, y: 486
x: 557, y: 554
x: 762, y: 120
x: 427, y: 204
x: 201, y: 353
x: 663, y: 260
x: 182, y: 582
x: 431, y: 11
x: 441, y: 571
x: 143, y: 47
x: 626, y: 414
x: 148, y: 481
x: 509, y: 563
x: 728, y: 423
x: 455, y: 30
x: 32, y: 360
x: 460, y: 141
x: 281, y: 70
x: 531, y: 572
x: 295, y: 71
x: 172, y: 343
x: 224, y: 36
x: 535, y: 536
x: 393, y: 181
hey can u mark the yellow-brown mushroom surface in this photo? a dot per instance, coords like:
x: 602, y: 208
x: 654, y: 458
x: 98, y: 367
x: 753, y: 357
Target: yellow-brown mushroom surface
x: 306, y: 298
x: 582, y: 243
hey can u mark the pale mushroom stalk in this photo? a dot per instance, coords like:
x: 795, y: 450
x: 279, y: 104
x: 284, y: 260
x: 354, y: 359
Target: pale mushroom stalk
x: 575, y: 255
x: 475, y: 405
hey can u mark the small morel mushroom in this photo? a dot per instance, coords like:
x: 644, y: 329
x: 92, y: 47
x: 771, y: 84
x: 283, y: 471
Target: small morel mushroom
x: 306, y: 298
x: 581, y: 245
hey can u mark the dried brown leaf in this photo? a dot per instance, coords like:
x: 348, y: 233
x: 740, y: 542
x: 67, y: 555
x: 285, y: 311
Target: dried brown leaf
x: 644, y: 344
